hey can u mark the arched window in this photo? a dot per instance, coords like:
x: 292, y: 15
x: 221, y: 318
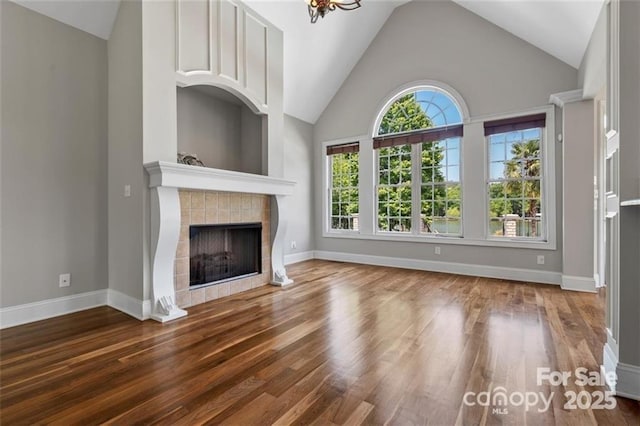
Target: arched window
x: 418, y: 144
x: 419, y: 109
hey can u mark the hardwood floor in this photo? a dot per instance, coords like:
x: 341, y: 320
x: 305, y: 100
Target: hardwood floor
x: 347, y: 344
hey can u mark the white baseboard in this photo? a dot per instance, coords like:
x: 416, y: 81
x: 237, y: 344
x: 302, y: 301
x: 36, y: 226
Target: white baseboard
x: 298, y: 257
x: 609, y: 364
x: 528, y: 275
x: 585, y: 284
x: 129, y: 305
x: 30, y: 312
x: 628, y: 381
x: 146, y: 309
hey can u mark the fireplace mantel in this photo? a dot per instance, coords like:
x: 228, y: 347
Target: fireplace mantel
x: 165, y: 179
x: 173, y: 175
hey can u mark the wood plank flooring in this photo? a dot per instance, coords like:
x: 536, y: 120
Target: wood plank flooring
x: 347, y: 344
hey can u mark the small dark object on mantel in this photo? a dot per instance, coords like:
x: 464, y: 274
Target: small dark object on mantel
x: 189, y: 159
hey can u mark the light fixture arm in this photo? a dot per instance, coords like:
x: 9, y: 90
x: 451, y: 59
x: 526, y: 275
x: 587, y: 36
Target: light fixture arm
x: 319, y: 8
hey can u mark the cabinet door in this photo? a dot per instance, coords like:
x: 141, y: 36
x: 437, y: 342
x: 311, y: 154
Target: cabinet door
x: 194, y: 38
x: 255, y: 56
x: 229, y: 31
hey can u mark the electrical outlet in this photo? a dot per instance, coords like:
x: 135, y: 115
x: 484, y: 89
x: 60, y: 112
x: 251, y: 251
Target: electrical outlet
x: 294, y: 245
x: 541, y: 260
x: 65, y: 280
x: 437, y: 250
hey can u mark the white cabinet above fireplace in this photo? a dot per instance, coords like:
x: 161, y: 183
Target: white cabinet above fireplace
x: 226, y: 44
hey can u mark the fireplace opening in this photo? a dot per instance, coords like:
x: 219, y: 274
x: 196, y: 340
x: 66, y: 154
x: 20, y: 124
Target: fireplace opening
x: 220, y: 253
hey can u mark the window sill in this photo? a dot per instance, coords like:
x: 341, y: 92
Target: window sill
x: 356, y: 235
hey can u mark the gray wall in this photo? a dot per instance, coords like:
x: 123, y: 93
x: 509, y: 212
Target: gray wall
x: 592, y: 75
x: 210, y: 128
x: 125, y: 152
x: 54, y: 158
x: 298, y: 166
x: 578, y: 219
x: 223, y: 134
x: 494, y: 71
x: 629, y: 182
x: 252, y: 137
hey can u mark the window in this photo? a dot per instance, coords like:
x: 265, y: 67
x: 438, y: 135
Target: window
x: 418, y: 159
x: 440, y: 193
x: 394, y: 189
x: 515, y: 177
x: 343, y: 186
x: 408, y: 180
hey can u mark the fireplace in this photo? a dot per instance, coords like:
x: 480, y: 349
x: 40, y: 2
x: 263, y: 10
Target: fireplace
x: 183, y: 196
x: 200, y: 210
x: 220, y: 253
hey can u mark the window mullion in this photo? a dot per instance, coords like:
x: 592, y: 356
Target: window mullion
x: 416, y: 182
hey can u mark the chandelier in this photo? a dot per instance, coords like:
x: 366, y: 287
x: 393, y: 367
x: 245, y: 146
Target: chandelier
x: 319, y: 8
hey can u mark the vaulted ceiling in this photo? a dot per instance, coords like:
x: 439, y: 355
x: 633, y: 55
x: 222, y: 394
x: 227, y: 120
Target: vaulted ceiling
x: 319, y: 57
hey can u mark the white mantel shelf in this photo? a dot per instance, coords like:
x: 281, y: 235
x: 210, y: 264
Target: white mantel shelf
x: 173, y: 175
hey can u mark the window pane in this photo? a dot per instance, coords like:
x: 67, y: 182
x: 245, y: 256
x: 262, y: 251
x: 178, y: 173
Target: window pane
x: 344, y: 200
x: 453, y: 156
x: 441, y: 190
x: 427, y: 192
x: 532, y: 168
x: 496, y: 152
x: 453, y: 208
x: 514, y: 187
x: 418, y: 110
x: 453, y: 173
x: 496, y: 170
x: 394, y: 189
x: 384, y: 177
x: 427, y: 174
x: 399, y: 165
x: 394, y: 208
x: 427, y: 208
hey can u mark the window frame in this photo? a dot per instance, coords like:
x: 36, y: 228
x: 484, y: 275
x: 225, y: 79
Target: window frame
x: 548, y: 183
x: 376, y: 186
x: 327, y: 176
x: 423, y: 85
x: 331, y: 201
x: 446, y: 184
x: 416, y: 196
x: 416, y: 163
x: 541, y: 179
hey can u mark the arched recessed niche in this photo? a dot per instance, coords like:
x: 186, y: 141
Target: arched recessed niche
x: 221, y: 129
